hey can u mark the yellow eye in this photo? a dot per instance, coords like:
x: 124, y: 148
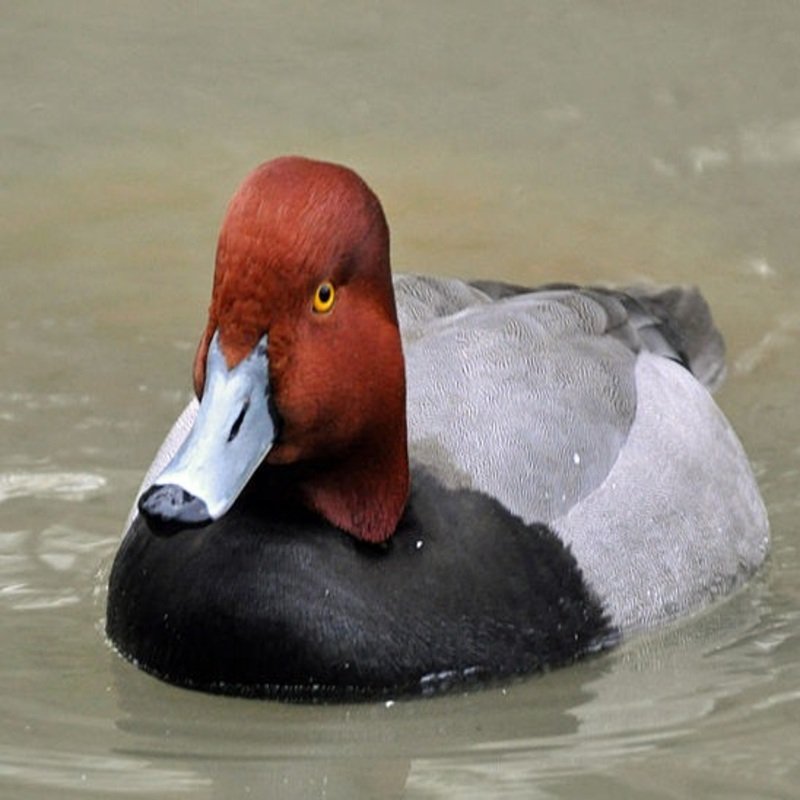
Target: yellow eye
x: 323, y: 297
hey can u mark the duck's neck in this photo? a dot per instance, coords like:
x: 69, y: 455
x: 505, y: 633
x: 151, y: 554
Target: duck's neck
x: 364, y: 493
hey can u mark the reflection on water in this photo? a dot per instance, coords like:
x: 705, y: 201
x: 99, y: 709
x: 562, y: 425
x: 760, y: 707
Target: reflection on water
x: 66, y: 485
x: 530, y: 142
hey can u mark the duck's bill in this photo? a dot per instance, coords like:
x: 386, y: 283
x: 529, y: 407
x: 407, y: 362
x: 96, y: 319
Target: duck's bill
x: 231, y: 436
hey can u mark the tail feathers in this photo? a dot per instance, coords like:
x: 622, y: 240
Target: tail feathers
x: 673, y: 321
x: 680, y: 316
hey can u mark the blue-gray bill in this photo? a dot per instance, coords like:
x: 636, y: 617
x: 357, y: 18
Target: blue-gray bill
x: 231, y: 436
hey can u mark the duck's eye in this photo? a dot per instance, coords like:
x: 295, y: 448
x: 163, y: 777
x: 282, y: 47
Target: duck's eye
x: 323, y: 297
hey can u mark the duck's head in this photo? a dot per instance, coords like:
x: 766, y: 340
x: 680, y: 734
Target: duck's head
x: 300, y: 362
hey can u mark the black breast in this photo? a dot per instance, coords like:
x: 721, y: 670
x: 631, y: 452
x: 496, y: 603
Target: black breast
x: 274, y: 602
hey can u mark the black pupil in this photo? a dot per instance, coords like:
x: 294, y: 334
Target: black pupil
x: 324, y: 293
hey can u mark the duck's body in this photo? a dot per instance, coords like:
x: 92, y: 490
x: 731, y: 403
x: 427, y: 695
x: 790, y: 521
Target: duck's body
x: 571, y: 480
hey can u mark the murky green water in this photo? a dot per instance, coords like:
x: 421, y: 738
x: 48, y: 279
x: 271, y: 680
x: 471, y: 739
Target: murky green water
x: 530, y: 141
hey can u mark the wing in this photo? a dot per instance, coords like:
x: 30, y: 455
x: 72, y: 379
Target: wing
x: 577, y: 407
x: 528, y: 398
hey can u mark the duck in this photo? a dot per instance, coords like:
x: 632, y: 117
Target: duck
x: 400, y: 485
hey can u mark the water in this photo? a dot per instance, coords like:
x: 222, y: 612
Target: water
x: 525, y: 141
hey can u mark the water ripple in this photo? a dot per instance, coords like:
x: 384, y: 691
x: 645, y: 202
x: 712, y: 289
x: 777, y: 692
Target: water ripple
x: 73, y: 486
x: 50, y: 568
x: 74, y: 770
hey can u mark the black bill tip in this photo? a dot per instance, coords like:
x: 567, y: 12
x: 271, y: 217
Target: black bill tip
x: 169, y: 507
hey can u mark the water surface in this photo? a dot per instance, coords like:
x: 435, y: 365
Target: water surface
x: 586, y: 141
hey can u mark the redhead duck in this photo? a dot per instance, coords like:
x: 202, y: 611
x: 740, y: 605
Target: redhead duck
x: 394, y: 487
